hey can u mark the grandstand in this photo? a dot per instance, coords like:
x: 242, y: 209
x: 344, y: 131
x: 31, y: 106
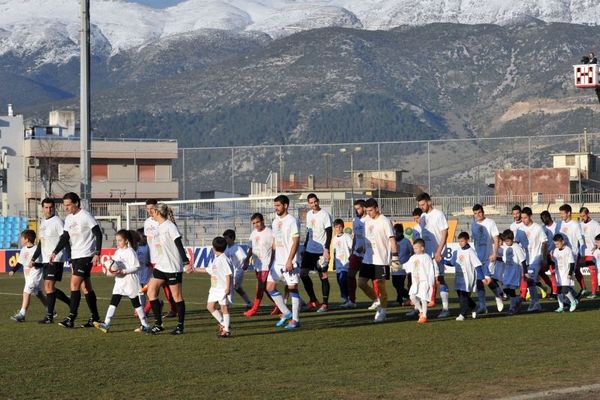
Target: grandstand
x: 10, y: 229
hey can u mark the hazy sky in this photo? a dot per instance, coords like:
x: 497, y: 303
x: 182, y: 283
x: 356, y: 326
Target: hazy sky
x: 157, y: 3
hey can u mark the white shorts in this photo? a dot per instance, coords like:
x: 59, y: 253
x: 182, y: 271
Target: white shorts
x: 278, y: 274
x: 238, y: 278
x: 34, y: 280
x: 218, y: 296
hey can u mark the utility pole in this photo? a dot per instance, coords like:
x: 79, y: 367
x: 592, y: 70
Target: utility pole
x: 85, y: 133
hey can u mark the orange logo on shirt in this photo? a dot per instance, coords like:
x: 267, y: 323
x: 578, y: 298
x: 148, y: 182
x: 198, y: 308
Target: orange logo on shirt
x: 461, y: 258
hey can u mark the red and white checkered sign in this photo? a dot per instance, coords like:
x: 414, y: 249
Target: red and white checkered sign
x: 586, y: 75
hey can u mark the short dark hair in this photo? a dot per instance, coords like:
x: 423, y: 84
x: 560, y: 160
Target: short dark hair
x: 151, y: 202
x: 545, y: 217
x: 423, y: 196
x: 229, y: 233
x: 312, y: 196
x: 371, y: 203
x: 29, y: 235
x: 74, y: 197
x: 508, y: 235
x: 399, y: 229
x: 558, y: 238
x: 516, y: 207
x: 419, y: 241
x: 417, y: 212
x: 566, y: 207
x: 338, y: 221
x: 463, y: 235
x: 258, y: 216
x: 584, y: 210
x: 47, y: 200
x: 527, y: 210
x: 597, y: 237
x: 360, y: 202
x: 219, y: 244
x: 478, y: 207
x: 282, y: 198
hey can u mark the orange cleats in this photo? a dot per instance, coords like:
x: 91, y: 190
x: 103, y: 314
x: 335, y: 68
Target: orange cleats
x: 276, y: 311
x: 313, y: 305
x: 422, y: 319
x: 251, y: 312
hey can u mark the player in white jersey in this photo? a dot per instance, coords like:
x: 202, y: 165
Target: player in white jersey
x: 221, y: 287
x: 421, y: 267
x: 286, y: 235
x: 516, y: 214
x: 536, y: 246
x: 237, y: 255
x: 590, y: 229
x: 127, y: 282
x: 434, y: 231
x: 571, y: 230
x: 358, y: 247
x: 486, y: 238
x: 381, y: 254
x: 465, y: 262
x: 565, y: 269
x: 51, y: 228
x: 32, y: 272
x: 342, y: 249
x: 171, y: 258
x: 260, y: 251
x: 151, y: 232
x: 83, y: 234
x: 316, y: 252
x: 550, y: 229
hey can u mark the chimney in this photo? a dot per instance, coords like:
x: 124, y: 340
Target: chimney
x: 10, y: 110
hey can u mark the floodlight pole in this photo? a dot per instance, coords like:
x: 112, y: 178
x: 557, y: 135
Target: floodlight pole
x: 85, y: 133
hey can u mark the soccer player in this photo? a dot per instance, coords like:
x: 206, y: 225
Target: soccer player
x: 590, y: 229
x: 434, y: 231
x: 237, y: 255
x: 318, y: 240
x: 170, y: 262
x: 515, y: 262
x: 127, y: 282
x: 260, y: 250
x: 565, y: 268
x: 221, y: 282
x: 571, y: 231
x: 537, y: 255
x: 151, y: 232
x: 342, y: 248
x: 422, y: 269
x: 516, y: 214
x: 465, y: 262
x: 32, y: 271
x: 416, y: 214
x: 381, y: 252
x: 550, y: 229
x: 286, y: 233
x: 405, y: 250
x: 145, y: 271
x: 83, y: 233
x: 358, y: 247
x: 486, y: 238
x: 51, y: 228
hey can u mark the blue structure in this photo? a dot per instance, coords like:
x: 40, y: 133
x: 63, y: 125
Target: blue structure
x: 10, y: 229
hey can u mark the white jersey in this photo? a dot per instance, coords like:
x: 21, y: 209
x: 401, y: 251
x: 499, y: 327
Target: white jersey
x: 34, y: 277
x: 26, y: 255
x: 237, y: 255
x: 378, y: 232
x: 219, y: 269
x: 128, y: 284
x: 563, y: 259
x: 484, y: 233
x: 284, y: 231
x: 261, y: 244
x: 514, y: 227
x: 50, y: 231
x: 342, y: 246
x: 535, y: 241
x: 432, y: 224
x: 423, y: 275
x: 145, y: 272
x: 168, y: 259
x: 573, y: 235
x: 83, y: 241
x: 596, y: 255
x: 151, y: 232
x: 358, y: 229
x: 590, y: 230
x: 316, y: 224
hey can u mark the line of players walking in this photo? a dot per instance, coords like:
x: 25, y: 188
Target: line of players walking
x: 154, y: 258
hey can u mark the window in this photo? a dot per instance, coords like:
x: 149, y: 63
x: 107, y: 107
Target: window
x: 99, y: 172
x: 146, y: 173
x: 570, y: 160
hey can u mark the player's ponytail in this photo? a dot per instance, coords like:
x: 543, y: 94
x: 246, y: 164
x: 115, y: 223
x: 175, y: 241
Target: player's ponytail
x: 166, y: 212
x: 130, y: 237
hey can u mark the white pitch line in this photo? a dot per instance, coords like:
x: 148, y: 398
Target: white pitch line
x: 554, y: 392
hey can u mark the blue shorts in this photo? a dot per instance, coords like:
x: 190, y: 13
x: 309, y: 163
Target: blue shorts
x: 533, y: 270
x: 482, y: 271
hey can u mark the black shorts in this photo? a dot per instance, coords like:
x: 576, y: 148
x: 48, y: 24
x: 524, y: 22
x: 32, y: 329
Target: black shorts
x: 82, y: 266
x: 53, y: 272
x: 376, y: 272
x: 172, y: 278
x: 310, y: 261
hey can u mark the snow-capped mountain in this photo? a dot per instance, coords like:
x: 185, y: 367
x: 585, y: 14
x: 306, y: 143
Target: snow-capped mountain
x: 49, y: 29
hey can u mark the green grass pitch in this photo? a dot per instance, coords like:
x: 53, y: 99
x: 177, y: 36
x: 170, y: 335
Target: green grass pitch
x: 338, y: 355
